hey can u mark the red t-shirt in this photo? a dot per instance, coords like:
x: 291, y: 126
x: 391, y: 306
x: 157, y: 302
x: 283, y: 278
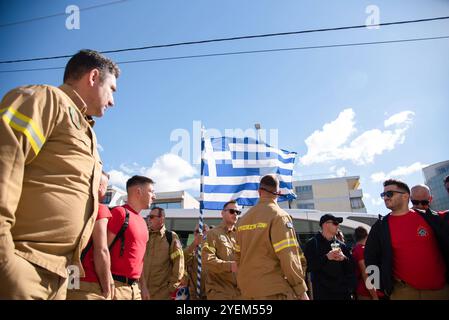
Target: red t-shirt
x: 88, y: 262
x: 129, y: 265
x: 417, y: 259
x: 358, y: 255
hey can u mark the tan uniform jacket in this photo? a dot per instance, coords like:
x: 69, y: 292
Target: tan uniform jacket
x: 163, y: 266
x: 49, y: 178
x: 268, y: 254
x: 191, y: 271
x: 218, y: 253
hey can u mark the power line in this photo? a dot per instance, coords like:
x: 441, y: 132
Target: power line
x: 235, y: 38
x: 61, y: 14
x: 250, y: 52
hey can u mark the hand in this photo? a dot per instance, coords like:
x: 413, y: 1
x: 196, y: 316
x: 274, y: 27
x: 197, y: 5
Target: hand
x: 110, y: 292
x: 335, y: 255
x: 234, y: 267
x: 145, y: 294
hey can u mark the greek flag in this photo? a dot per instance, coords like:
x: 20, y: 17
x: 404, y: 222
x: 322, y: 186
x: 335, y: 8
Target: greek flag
x: 231, y: 169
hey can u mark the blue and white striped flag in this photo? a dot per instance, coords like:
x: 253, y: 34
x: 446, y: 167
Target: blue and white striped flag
x: 232, y: 168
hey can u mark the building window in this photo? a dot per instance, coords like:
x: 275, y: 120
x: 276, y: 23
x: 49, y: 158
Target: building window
x: 309, y: 206
x: 167, y: 205
x: 357, y: 203
x: 304, y: 192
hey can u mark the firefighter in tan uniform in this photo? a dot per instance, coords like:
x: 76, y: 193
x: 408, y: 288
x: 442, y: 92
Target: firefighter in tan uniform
x: 164, y: 261
x: 218, y: 256
x: 49, y: 177
x: 191, y: 265
x: 268, y: 253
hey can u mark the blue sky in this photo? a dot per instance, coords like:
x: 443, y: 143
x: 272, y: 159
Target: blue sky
x: 374, y: 111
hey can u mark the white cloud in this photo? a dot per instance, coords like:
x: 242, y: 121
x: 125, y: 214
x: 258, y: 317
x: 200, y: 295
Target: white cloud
x: 401, y: 171
x: 172, y: 173
x: 100, y: 147
x: 169, y: 171
x: 377, y: 202
x: 118, y: 178
x: 338, y: 172
x: 399, y: 118
x: 333, y: 141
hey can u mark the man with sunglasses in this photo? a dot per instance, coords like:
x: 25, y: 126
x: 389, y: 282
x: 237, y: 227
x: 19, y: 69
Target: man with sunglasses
x: 410, y: 249
x: 218, y: 256
x: 268, y: 253
x: 164, y: 259
x: 420, y: 197
x: 330, y: 263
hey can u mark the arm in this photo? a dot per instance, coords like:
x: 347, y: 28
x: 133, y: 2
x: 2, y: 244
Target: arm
x: 177, y: 258
x: 315, y: 261
x: 102, y: 259
x: 286, y: 248
x: 27, y: 119
x: 210, y: 258
x: 143, y: 287
x: 362, y: 267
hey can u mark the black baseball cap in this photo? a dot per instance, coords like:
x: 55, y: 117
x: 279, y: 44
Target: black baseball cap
x: 330, y: 217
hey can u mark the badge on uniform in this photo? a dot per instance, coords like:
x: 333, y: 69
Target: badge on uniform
x: 223, y: 238
x: 75, y: 117
x: 289, y: 225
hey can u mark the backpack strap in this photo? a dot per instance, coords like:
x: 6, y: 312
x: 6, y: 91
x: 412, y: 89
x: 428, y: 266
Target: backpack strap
x: 169, y: 237
x: 121, y: 234
x: 86, y: 250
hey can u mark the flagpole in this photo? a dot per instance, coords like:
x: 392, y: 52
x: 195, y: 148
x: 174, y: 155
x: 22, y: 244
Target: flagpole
x: 201, y: 218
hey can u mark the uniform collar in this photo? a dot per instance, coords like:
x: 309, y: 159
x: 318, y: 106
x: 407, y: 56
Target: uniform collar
x: 267, y: 200
x: 79, y: 102
x: 161, y: 232
x: 225, y: 228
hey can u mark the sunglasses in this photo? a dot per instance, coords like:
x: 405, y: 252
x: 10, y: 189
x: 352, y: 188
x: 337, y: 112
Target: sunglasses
x: 152, y: 216
x: 390, y: 194
x: 273, y: 193
x: 423, y: 202
x: 335, y: 223
x: 234, y: 211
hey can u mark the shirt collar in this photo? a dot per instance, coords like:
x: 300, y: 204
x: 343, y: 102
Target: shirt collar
x: 79, y: 102
x: 225, y: 228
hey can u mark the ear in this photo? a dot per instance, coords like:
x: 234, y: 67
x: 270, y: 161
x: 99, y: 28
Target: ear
x: 94, y: 77
x: 430, y: 199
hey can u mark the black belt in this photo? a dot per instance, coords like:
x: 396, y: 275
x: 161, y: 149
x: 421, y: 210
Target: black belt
x: 123, y: 279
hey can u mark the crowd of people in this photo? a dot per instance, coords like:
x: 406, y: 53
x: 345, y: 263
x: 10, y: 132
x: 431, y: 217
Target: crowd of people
x: 51, y: 218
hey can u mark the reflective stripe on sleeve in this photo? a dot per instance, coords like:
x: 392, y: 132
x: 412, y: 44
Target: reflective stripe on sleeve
x: 281, y: 245
x: 211, y: 249
x: 176, y: 254
x: 26, y: 125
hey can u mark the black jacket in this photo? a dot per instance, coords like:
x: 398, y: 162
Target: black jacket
x: 330, y: 279
x: 378, y: 250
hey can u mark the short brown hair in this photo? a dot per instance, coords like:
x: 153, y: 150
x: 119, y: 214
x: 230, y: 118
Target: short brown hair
x: 401, y: 185
x: 360, y: 233
x: 86, y: 60
x: 137, y: 180
x: 270, y: 182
